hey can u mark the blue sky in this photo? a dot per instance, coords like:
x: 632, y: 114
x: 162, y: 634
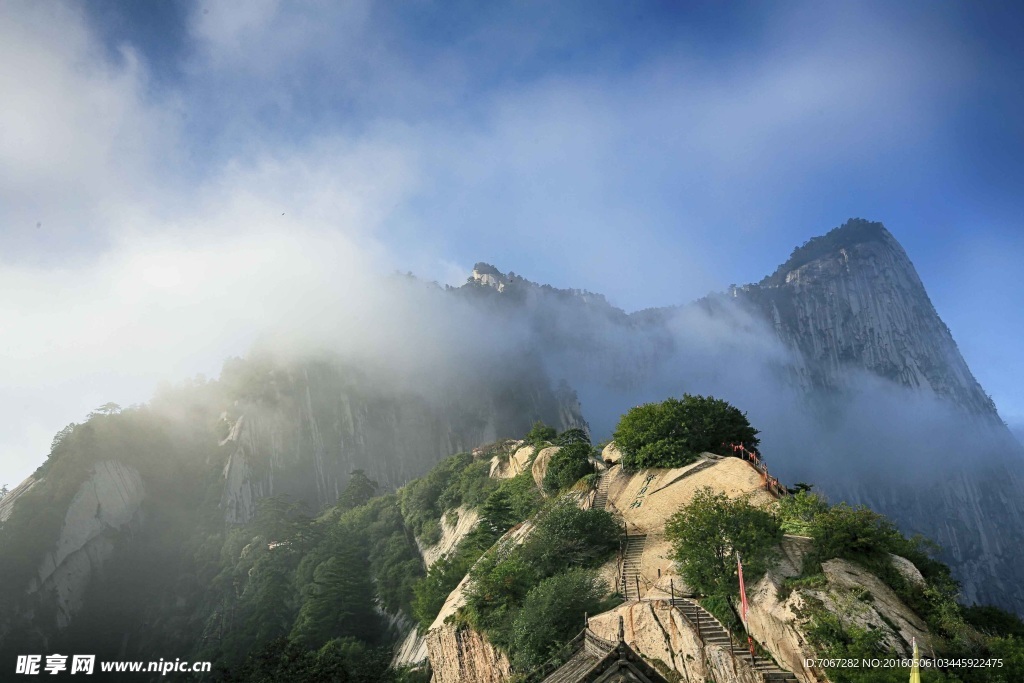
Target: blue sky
x: 161, y: 163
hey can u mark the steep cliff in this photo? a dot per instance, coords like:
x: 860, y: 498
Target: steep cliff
x: 321, y: 421
x: 105, y: 506
x: 852, y: 299
x: 107, y: 502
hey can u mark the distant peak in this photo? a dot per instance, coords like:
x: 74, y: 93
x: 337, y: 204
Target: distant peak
x: 486, y: 269
x: 488, y: 275
x: 852, y: 232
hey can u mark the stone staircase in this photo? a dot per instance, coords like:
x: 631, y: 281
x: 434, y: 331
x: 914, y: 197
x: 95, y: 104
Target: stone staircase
x: 631, y: 557
x: 601, y: 497
x: 713, y: 633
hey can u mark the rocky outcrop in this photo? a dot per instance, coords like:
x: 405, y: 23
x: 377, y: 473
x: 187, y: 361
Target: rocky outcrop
x: 540, y: 465
x: 506, y: 467
x: 883, y: 611
x: 458, y: 653
x: 412, y: 651
x: 859, y: 597
x: 465, y: 520
x: 611, y: 454
x: 8, y: 501
x: 108, y: 502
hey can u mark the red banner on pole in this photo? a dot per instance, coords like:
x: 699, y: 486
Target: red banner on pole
x: 743, y: 592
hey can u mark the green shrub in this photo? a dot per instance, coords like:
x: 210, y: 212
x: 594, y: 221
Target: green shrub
x: 708, y: 531
x: 498, y: 588
x: 852, y: 533
x: 798, y: 511
x: 994, y: 621
x: 675, y: 432
x: 567, y: 466
x: 565, y: 536
x: 552, y: 613
x: 720, y: 607
x: 456, y: 480
x: 568, y: 536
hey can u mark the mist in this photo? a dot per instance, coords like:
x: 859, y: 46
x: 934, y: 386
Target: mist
x: 172, y: 200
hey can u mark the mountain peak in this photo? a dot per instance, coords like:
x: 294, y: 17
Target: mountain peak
x: 852, y: 232
x: 487, y: 275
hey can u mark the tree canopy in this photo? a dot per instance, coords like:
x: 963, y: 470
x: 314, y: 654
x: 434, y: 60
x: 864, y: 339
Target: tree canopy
x: 567, y: 466
x: 707, y: 533
x: 675, y: 432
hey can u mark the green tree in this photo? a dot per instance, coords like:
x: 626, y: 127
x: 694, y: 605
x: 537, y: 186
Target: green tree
x: 797, y: 511
x: 552, y: 613
x: 109, y: 408
x: 706, y: 534
x: 60, y: 436
x: 567, y: 466
x: 676, y: 431
x: 994, y: 621
x: 339, y: 602
x: 498, y: 587
x: 359, y: 490
x: 572, y: 436
x: 511, y: 502
x: 540, y: 433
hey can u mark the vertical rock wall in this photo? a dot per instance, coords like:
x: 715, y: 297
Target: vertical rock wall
x: 305, y: 441
x: 108, y: 501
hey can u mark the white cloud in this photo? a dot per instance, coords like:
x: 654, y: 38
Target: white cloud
x: 78, y: 136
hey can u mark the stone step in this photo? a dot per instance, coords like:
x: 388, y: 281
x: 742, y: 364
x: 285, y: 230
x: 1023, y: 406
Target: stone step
x: 713, y: 633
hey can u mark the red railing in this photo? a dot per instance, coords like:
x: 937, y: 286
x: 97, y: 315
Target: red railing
x: 771, y: 484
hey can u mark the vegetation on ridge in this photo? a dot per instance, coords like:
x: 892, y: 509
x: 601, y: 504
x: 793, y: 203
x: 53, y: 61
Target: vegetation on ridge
x: 675, y: 432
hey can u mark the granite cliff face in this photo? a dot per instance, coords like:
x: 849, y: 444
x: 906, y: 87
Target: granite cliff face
x: 306, y: 438
x: 106, y: 505
x: 108, y: 502
x: 852, y: 299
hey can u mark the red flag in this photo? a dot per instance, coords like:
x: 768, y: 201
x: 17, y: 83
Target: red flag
x: 743, y: 591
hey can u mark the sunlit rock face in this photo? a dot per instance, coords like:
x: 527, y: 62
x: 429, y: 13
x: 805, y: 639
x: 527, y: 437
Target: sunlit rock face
x: 306, y: 438
x: 852, y: 298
